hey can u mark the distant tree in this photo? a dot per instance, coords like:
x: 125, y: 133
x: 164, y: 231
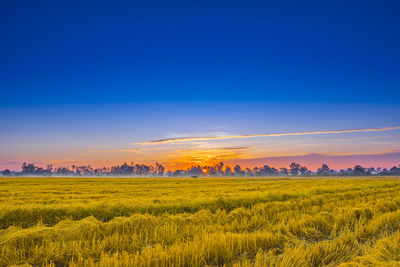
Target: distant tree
x: 267, y: 171
x: 238, y: 170
x: 159, y: 170
x: 371, y: 171
x: 178, y: 173
x: 359, y: 170
x: 28, y: 168
x: 6, y: 172
x: 294, y: 168
x: 195, y: 170
x: 324, y: 170
x: 395, y: 170
x: 64, y: 171
x: 256, y: 171
x: 49, y: 168
x: 228, y: 171
x: 219, y: 167
x: 248, y: 172
x: 303, y: 170
x: 210, y: 170
x: 284, y: 171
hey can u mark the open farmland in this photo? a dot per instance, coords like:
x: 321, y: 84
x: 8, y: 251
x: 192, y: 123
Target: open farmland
x: 198, y: 222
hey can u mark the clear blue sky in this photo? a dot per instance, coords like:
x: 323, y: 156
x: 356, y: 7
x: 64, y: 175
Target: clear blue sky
x: 108, y: 73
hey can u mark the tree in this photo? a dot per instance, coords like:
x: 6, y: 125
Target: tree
x: 358, y: 170
x: 178, y: 173
x: 303, y: 170
x: 371, y: 171
x: 219, y: 167
x: 159, y: 170
x: 228, y: 171
x: 28, y: 168
x: 267, y: 171
x: 249, y: 172
x: 283, y: 171
x: 324, y: 170
x: 395, y: 170
x: 294, y: 168
x: 195, y: 170
x: 238, y: 170
x: 6, y: 172
x: 256, y: 171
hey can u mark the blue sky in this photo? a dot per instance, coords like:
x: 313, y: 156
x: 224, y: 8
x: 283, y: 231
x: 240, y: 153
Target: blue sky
x: 102, y: 75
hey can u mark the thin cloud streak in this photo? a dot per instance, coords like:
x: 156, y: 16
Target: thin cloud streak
x: 121, y: 150
x: 185, y: 139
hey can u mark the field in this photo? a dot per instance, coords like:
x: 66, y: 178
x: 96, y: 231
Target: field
x: 199, y: 222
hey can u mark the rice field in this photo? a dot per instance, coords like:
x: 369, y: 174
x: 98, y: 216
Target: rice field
x: 200, y: 222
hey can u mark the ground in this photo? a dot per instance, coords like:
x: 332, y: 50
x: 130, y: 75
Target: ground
x: 352, y: 221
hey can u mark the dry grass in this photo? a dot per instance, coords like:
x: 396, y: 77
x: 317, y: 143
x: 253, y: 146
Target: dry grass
x: 198, y: 222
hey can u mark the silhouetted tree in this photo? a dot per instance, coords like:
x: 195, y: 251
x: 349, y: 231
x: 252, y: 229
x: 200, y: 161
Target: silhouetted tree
x: 195, y: 170
x: 179, y: 173
x: 256, y: 171
x: 324, y: 170
x: 294, y: 168
x: 304, y: 171
x: 159, y: 170
x: 29, y: 168
x: 219, y: 167
x: 6, y: 172
x: 248, y: 172
x: 283, y: 171
x: 228, y: 171
x: 238, y: 170
x: 358, y: 170
x: 267, y: 171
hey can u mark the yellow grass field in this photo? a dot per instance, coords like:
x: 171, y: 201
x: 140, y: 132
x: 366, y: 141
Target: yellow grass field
x: 200, y: 222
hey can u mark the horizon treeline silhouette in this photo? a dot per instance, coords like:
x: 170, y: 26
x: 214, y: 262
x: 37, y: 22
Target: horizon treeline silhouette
x: 219, y: 169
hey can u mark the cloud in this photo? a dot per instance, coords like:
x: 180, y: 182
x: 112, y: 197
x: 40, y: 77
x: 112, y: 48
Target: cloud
x: 235, y: 148
x: 185, y: 139
x: 121, y: 150
x: 216, y: 149
x: 185, y: 134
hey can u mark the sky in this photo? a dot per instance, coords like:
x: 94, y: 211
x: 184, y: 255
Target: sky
x: 97, y: 82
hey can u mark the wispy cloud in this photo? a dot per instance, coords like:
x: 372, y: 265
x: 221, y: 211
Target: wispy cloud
x: 205, y: 138
x: 185, y: 134
x: 217, y: 149
x: 121, y: 150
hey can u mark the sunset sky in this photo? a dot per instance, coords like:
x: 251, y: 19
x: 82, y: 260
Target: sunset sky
x: 267, y: 83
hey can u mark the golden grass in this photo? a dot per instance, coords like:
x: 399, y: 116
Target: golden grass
x: 199, y: 222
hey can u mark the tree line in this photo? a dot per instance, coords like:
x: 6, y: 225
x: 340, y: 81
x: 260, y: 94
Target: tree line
x: 219, y: 169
